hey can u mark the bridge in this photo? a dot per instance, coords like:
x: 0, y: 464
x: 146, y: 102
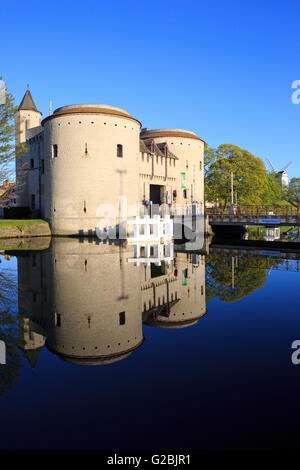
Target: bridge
x: 240, y: 216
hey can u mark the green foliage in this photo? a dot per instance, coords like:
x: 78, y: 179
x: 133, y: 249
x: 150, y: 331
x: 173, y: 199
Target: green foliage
x: 293, y: 192
x: 249, y: 175
x: 8, y: 150
x: 209, y: 158
x: 273, y: 193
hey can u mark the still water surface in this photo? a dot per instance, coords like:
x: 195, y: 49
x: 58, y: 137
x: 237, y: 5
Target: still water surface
x: 190, y: 351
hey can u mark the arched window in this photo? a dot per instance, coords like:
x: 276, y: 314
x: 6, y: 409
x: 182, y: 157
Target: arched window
x: 119, y: 150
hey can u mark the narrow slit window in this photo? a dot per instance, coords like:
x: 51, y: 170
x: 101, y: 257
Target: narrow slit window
x: 122, y: 318
x: 84, y: 206
x: 58, y: 320
x: 85, y: 149
x: 119, y: 150
x: 31, y: 163
x: 43, y: 166
x: 32, y: 201
x: 55, y: 151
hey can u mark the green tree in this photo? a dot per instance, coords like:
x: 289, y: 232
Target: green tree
x: 293, y: 192
x: 249, y: 175
x: 273, y: 193
x: 9, y: 151
x: 209, y: 158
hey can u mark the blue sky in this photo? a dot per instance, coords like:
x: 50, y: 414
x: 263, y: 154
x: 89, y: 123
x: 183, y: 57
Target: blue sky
x: 223, y: 69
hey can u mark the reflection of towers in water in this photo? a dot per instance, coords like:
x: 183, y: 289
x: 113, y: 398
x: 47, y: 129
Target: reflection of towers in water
x: 85, y: 298
x: 173, y: 294
x: 32, y: 321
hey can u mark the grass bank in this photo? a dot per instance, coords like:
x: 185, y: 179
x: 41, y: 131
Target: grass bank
x: 13, y: 228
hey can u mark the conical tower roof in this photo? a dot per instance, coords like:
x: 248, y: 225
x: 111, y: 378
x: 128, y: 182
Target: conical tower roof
x: 27, y: 102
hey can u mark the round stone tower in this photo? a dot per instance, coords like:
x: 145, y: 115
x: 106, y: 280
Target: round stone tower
x: 91, y: 163
x: 189, y: 149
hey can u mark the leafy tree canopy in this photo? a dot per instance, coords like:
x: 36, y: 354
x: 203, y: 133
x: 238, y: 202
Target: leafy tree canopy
x: 249, y: 175
x: 293, y: 192
x: 8, y: 150
x: 273, y: 193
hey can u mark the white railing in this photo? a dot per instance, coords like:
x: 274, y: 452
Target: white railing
x: 155, y: 253
x: 154, y: 228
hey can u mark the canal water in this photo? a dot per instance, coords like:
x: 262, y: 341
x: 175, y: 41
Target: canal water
x: 113, y: 347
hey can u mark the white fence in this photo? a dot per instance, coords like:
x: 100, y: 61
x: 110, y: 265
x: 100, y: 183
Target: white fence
x: 155, y: 253
x: 151, y: 229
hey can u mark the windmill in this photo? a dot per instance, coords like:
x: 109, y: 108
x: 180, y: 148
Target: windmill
x: 282, y: 173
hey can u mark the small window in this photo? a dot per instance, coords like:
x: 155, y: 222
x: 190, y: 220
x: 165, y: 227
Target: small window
x: 200, y: 166
x: 122, y: 318
x: 55, y: 151
x: 85, y: 149
x: 31, y: 163
x: 185, y: 194
x: 33, y: 201
x: 119, y: 150
x: 187, y: 164
x: 58, y: 320
x: 43, y: 166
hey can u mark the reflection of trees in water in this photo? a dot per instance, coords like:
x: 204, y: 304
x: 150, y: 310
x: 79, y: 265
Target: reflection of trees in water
x: 291, y: 235
x: 232, y: 278
x: 9, y: 330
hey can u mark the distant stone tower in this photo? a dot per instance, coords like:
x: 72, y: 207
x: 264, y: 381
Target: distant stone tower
x: 27, y: 117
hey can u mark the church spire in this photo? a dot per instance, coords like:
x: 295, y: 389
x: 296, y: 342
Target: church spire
x: 27, y: 102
